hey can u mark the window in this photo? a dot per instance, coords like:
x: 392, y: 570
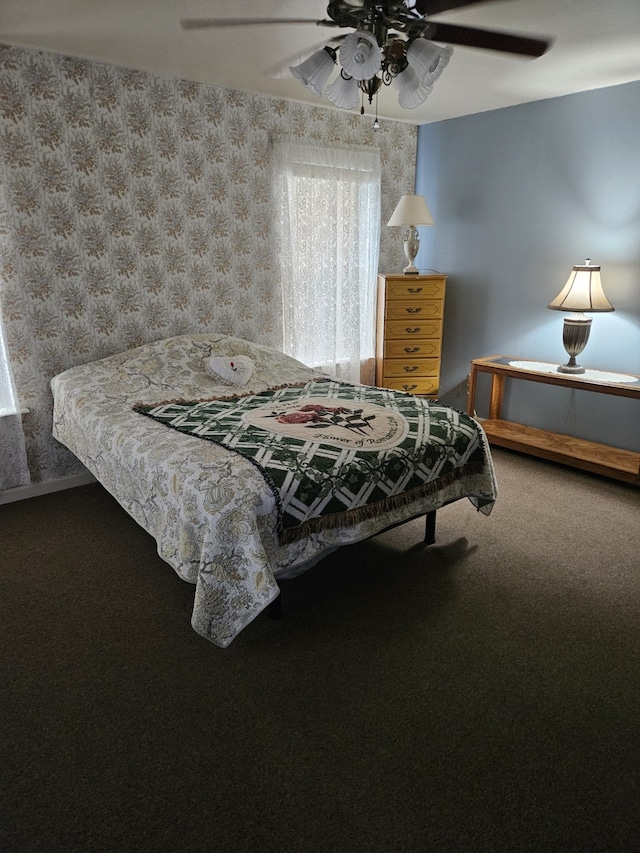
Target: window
x: 8, y: 401
x: 330, y: 233
x: 14, y: 469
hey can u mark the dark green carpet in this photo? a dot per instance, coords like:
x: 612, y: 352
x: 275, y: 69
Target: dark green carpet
x: 477, y: 695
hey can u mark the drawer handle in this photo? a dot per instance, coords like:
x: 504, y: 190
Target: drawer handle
x: 413, y: 310
x: 409, y: 387
x: 414, y: 289
x: 413, y: 331
x: 411, y: 349
x: 410, y: 368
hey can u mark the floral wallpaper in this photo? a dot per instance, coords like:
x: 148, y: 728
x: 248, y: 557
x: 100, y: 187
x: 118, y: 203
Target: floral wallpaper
x: 136, y: 207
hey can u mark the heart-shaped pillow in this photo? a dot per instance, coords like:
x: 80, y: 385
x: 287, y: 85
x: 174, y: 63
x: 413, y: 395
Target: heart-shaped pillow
x: 234, y: 370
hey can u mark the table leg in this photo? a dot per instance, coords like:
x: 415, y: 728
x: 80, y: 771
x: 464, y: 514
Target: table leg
x: 471, y: 391
x: 497, y: 390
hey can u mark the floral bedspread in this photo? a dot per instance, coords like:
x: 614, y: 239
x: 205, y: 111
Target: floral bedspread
x: 209, y: 509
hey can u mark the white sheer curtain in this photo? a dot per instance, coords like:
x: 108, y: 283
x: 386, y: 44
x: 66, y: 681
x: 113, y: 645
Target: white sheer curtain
x: 14, y: 470
x: 330, y: 236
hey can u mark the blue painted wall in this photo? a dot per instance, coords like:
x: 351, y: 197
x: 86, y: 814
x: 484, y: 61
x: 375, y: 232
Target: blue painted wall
x: 519, y: 196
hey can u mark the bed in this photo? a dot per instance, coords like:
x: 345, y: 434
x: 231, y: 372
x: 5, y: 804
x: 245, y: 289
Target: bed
x: 163, y: 427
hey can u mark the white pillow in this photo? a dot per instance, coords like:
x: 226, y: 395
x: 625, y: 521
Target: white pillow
x: 233, y: 370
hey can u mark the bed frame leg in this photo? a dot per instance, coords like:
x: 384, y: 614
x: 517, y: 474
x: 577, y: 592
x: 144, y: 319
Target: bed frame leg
x: 430, y: 528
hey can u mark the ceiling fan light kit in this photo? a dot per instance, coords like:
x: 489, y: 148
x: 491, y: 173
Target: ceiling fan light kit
x: 360, y: 55
x: 315, y: 71
x: 413, y: 65
x: 390, y: 41
x: 359, y: 74
x: 428, y: 59
x: 411, y: 92
x: 344, y: 92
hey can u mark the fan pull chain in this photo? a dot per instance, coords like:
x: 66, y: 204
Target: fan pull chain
x: 376, y: 123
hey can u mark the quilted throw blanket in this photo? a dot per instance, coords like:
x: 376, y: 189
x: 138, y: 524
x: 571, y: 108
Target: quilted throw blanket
x: 332, y: 452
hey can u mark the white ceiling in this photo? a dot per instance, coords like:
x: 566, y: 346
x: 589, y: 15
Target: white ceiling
x: 596, y: 44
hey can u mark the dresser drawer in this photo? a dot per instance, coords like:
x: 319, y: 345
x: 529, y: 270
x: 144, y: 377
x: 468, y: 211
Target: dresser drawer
x: 408, y: 366
x: 408, y: 289
x: 412, y: 328
x: 412, y: 349
x: 425, y: 386
x: 413, y: 309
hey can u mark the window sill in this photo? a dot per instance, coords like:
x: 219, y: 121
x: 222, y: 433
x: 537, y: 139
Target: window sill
x: 5, y: 413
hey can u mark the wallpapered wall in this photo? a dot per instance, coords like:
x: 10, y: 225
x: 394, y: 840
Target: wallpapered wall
x: 135, y: 207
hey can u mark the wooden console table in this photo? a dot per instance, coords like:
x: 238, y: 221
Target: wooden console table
x: 556, y: 447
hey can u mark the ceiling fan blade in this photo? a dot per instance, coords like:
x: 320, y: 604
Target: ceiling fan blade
x: 487, y: 39
x: 435, y: 7
x: 213, y: 23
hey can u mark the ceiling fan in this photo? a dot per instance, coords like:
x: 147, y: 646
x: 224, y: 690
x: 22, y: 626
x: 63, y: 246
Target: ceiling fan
x: 390, y: 40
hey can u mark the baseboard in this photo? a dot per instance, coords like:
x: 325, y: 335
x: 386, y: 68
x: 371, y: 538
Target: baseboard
x: 35, y: 489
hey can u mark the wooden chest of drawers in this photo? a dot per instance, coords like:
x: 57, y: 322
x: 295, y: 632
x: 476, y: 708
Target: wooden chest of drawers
x: 409, y: 332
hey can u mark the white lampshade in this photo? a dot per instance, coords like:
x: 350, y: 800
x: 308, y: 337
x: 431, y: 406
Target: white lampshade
x: 360, y: 55
x: 343, y: 92
x: 316, y: 70
x: 583, y: 291
x: 411, y: 210
x: 411, y: 92
x: 428, y: 59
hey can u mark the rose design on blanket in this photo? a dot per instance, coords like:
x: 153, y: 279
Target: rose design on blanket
x: 318, y: 416
x: 368, y: 426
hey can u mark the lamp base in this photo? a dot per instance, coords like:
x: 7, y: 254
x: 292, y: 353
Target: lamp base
x: 575, y: 334
x: 411, y: 246
x: 571, y: 368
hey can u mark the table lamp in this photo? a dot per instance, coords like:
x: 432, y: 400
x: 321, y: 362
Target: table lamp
x: 582, y: 292
x: 411, y: 210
